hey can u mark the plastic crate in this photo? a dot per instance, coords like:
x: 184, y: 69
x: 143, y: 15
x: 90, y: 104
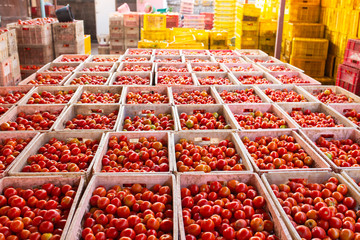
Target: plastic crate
x: 12, y: 114
x: 52, y: 90
x: 251, y: 108
x: 318, y: 165
x: 12, y: 42
x: 68, y: 31
x: 18, y: 135
x: 302, y: 13
x: 65, y: 67
x: 136, y: 58
x: 337, y: 90
x: 315, y: 107
x: 65, y: 76
x: 250, y: 52
x: 154, y: 21
x: 4, y: 50
x: 311, y: 177
x: 154, y: 35
x: 309, y: 48
x: 257, y: 93
x: 76, y: 58
x: 229, y: 76
x: 172, y: 20
x: 72, y: 78
x: 289, y: 87
x: 104, y: 58
x: 352, y: 53
x: 132, y: 137
x: 193, y: 108
x: 311, y: 135
x: 199, y: 52
x: 131, y: 19
x: 138, y: 110
x: 194, y: 81
x: 109, y: 181
x: 261, y: 59
x: 163, y: 90
x: 185, y: 180
x: 243, y: 67
x: 43, y: 139
x: 132, y: 33
x: 116, y: 20
x: 34, y: 34
x: 247, y: 26
x: 135, y: 64
x: 265, y: 75
x: 73, y: 110
x: 307, y: 80
x: 168, y: 59
x: 187, y: 89
x: 36, y: 54
x: 70, y: 47
x: 36, y: 183
x: 267, y: 41
x: 312, y: 67
x: 248, y: 12
x: 309, y: 2
x: 348, y: 78
x: 143, y: 75
x: 85, y: 67
x: 198, y: 58
x: 213, y: 138
x: 344, y: 108
x: 267, y: 27
x: 96, y: 90
x: 269, y: 67
x: 229, y: 59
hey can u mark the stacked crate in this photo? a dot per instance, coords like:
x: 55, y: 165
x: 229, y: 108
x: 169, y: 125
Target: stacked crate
x: 117, y: 33
x: 131, y: 29
x: 348, y: 74
x: 35, y: 41
x: 172, y: 20
x: 267, y: 35
x: 9, y: 57
x: 247, y: 26
x: 341, y: 19
x: 194, y: 21
x: 224, y: 16
x: 304, y: 45
x: 5, y: 61
x: 155, y: 27
x: 69, y: 37
x: 209, y: 20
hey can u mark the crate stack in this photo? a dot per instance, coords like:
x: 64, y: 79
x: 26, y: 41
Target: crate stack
x: 267, y: 35
x: 247, y: 26
x: 341, y: 19
x: 224, y: 16
x: 69, y: 37
x: 132, y: 26
x: 304, y: 44
x: 155, y: 28
x: 348, y: 73
x: 34, y: 41
x: 117, y: 33
x: 194, y: 21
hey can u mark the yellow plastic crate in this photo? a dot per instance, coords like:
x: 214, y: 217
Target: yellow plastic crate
x: 248, y: 12
x: 284, y: 59
x: 308, y: 2
x: 267, y: 41
x: 247, y: 26
x: 267, y: 27
x: 310, y: 48
x: 153, y: 35
x: 87, y: 44
x: 248, y: 33
x: 323, y: 15
x: 269, y: 50
x: 348, y: 4
x: 302, y: 13
x: 312, y: 67
x: 356, y: 5
x: 218, y: 38
x: 305, y: 30
x: 329, y: 65
x: 242, y: 42
x: 202, y: 36
x: 154, y: 21
x: 151, y: 44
